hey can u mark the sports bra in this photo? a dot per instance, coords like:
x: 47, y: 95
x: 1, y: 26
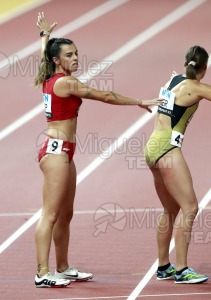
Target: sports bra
x: 181, y: 115
x: 59, y: 108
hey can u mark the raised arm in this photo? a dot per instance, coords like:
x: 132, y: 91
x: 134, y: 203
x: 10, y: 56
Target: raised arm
x: 45, y: 30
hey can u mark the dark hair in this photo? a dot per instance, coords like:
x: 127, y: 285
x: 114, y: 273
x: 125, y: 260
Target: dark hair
x: 195, y: 60
x: 47, y: 66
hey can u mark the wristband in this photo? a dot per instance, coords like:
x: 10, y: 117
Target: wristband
x: 42, y: 33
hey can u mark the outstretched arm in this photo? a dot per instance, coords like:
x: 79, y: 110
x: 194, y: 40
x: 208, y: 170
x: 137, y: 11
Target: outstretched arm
x: 46, y: 28
x: 72, y: 86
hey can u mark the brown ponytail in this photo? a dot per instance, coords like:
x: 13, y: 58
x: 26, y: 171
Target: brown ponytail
x: 47, y: 66
x: 195, y: 60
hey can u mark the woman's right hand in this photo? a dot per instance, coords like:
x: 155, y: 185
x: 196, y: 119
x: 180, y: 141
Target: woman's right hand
x: 43, y: 24
x: 174, y: 73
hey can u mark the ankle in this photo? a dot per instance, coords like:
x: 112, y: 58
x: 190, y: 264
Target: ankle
x: 164, y: 267
x: 42, y: 271
x: 179, y: 272
x: 61, y: 269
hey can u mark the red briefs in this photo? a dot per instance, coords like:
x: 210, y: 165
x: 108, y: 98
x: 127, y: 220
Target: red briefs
x: 56, y: 146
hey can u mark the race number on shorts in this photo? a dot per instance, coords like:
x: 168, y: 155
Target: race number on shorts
x: 177, y: 138
x: 54, y: 146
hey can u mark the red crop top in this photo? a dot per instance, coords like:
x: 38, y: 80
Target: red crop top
x: 59, y: 108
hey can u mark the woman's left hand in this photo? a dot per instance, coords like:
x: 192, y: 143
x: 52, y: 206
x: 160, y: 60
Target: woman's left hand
x: 42, y: 23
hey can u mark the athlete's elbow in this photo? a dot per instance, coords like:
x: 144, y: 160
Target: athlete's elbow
x: 106, y: 97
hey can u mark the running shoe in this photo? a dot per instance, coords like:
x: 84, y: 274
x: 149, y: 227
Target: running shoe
x: 50, y: 281
x: 190, y: 276
x: 73, y: 275
x: 167, y: 274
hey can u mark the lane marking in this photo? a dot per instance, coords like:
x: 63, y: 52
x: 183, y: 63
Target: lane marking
x: 114, y: 57
x: 13, y: 8
x: 141, y: 296
x: 88, y: 170
x: 98, y: 211
x: 89, y: 212
x: 68, y: 28
x: 160, y: 25
x: 153, y: 268
x: 79, y: 22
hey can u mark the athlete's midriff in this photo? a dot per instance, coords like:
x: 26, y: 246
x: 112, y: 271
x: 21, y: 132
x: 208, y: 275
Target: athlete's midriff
x: 64, y: 130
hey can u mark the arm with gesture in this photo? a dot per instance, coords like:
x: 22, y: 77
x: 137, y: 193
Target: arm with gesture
x: 46, y: 28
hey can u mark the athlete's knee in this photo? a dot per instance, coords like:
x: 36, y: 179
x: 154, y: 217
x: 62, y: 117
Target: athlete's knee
x: 194, y: 208
x: 51, y: 218
x: 190, y: 213
x: 65, y: 217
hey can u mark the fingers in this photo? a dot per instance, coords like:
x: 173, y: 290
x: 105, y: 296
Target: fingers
x: 53, y: 25
x: 174, y: 73
x: 40, y: 19
x: 43, y: 24
x: 156, y: 101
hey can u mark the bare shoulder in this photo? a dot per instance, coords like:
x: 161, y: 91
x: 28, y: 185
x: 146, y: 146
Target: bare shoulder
x: 64, y: 85
x: 198, y: 89
x: 65, y: 80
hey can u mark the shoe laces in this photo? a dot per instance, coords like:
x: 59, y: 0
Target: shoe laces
x: 51, y: 277
x: 191, y: 273
x: 72, y: 269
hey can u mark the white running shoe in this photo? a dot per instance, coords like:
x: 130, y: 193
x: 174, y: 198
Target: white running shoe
x: 73, y: 275
x: 50, y: 281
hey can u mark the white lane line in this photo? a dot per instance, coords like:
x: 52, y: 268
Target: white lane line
x: 153, y: 268
x: 21, y: 121
x: 165, y: 295
x: 114, y: 57
x: 157, y: 27
x: 87, y: 171
x: 17, y: 11
x: 91, y: 298
x: 127, y: 134
x: 89, y: 212
x: 98, y: 211
x: 70, y: 27
x: 81, y: 21
x: 141, y: 296
x: 116, y: 145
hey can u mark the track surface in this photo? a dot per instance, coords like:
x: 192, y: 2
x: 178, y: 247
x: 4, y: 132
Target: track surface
x: 118, y: 245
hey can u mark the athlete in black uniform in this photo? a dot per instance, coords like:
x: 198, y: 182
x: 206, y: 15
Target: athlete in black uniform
x: 171, y: 174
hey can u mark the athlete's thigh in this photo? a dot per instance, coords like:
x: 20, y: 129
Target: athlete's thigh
x: 67, y: 207
x: 167, y: 201
x: 56, y: 173
x: 177, y: 179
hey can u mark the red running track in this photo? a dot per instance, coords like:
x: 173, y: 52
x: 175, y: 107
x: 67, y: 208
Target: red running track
x: 121, y: 254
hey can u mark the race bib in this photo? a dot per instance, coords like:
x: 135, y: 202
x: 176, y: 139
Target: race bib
x: 54, y: 146
x: 48, y: 105
x: 168, y: 104
x: 177, y: 138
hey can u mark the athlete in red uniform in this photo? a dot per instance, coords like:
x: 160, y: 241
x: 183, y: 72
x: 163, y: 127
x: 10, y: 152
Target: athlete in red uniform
x: 62, y: 95
x: 56, y: 109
